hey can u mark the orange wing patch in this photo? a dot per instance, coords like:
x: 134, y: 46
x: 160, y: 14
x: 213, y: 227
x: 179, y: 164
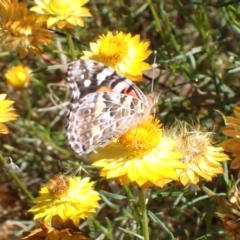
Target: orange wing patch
x: 104, y: 89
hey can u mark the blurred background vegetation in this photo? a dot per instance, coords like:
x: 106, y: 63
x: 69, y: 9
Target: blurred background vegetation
x: 198, y: 57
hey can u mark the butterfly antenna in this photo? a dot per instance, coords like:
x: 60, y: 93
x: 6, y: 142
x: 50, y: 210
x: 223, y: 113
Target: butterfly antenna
x: 153, y: 67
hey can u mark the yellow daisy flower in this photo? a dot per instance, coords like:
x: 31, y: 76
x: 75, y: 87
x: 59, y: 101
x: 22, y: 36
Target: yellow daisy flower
x: 7, y: 113
x: 18, y: 77
x: 61, y: 13
x: 201, y: 158
x: 141, y: 156
x: 19, y: 30
x: 68, y: 197
x: 122, y: 52
x: 232, y: 130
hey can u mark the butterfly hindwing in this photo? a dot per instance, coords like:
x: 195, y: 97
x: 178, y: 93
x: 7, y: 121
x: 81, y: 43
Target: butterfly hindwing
x: 100, y: 118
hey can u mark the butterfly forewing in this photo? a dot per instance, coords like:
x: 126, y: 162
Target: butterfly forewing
x: 87, y: 76
x: 104, y: 105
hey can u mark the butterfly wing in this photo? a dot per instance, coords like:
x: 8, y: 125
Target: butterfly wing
x: 100, y: 118
x: 104, y: 105
x: 87, y: 76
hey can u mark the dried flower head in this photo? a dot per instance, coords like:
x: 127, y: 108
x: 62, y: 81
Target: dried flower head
x: 229, y: 213
x: 57, y: 230
x: 19, y: 29
x: 200, y: 156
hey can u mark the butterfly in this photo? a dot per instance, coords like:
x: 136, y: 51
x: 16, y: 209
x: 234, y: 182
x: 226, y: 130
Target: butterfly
x: 103, y: 105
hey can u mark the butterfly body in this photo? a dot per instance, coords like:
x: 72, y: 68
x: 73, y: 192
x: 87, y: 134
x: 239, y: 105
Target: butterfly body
x: 104, y: 105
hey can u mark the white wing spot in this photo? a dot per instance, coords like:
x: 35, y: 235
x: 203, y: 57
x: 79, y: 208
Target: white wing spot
x: 87, y: 83
x: 88, y: 118
x: 87, y: 134
x: 101, y: 77
x: 91, y: 104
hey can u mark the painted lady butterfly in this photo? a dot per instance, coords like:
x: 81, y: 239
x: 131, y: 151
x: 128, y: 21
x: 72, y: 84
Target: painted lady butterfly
x: 104, y: 105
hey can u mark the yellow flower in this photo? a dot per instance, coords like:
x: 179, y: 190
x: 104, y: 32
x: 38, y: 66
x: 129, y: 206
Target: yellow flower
x: 7, y: 113
x: 122, y: 52
x: 232, y: 145
x: 141, y: 156
x: 68, y: 197
x: 58, y: 230
x: 19, y: 30
x: 201, y: 158
x: 18, y: 77
x: 61, y: 13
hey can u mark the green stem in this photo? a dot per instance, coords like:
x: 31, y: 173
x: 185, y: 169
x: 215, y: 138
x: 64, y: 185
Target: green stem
x: 163, y: 16
x: 17, y: 180
x: 155, y: 16
x: 143, y: 208
x: 28, y: 103
x: 99, y: 226
x: 70, y: 44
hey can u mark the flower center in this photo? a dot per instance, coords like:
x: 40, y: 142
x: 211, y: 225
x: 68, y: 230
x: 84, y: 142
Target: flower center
x: 194, y: 146
x: 113, y: 50
x: 58, y: 185
x: 143, y: 138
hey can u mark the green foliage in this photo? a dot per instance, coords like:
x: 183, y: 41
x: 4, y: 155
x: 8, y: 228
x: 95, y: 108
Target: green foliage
x: 198, y: 55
